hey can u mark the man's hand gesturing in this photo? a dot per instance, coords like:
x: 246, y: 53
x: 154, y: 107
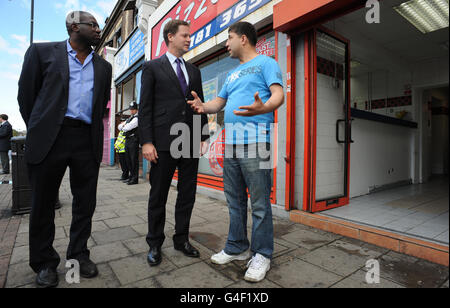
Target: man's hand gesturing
x: 197, y: 104
x: 255, y: 109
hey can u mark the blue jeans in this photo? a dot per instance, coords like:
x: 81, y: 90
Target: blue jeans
x: 238, y: 175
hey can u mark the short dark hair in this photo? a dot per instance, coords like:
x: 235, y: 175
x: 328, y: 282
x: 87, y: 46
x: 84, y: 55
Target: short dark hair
x: 172, y: 28
x: 247, y: 29
x: 4, y: 117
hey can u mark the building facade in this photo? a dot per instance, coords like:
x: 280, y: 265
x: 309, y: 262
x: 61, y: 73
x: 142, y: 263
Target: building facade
x: 366, y: 103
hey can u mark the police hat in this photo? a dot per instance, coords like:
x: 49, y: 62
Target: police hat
x: 134, y: 106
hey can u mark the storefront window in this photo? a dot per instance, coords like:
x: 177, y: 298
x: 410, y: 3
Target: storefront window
x: 214, y: 73
x: 137, y: 89
x: 128, y: 93
x: 380, y: 76
x: 119, y: 98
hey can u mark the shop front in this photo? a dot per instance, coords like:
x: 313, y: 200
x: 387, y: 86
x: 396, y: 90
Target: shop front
x: 209, y: 23
x: 353, y: 121
x: 128, y: 62
x: 357, y: 121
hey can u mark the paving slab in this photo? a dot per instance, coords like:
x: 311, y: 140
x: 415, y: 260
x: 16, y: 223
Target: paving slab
x: 180, y: 260
x: 303, y: 258
x: 149, y: 283
x: 300, y: 274
x: 265, y: 284
x: 336, y: 260
x: 137, y: 246
x: 310, y: 239
x: 358, y: 280
x: 114, y: 235
x: 123, y: 221
x: 109, y: 252
x: 411, y: 272
x: 105, y: 279
x: 199, y: 275
x: 132, y: 269
x: 19, y: 275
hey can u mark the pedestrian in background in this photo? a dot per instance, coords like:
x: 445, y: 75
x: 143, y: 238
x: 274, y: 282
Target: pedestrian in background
x: 131, y: 133
x: 119, y: 146
x: 6, y: 133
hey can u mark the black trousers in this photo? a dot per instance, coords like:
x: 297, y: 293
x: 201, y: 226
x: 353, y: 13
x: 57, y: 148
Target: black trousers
x: 132, y: 157
x: 4, y: 158
x: 124, y: 165
x: 161, y: 175
x: 72, y: 149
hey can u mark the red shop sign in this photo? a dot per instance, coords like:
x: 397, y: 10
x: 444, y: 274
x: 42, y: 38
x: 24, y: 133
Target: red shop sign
x: 197, y: 12
x: 265, y: 47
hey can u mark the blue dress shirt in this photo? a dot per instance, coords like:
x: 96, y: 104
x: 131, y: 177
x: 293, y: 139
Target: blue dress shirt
x: 81, y: 86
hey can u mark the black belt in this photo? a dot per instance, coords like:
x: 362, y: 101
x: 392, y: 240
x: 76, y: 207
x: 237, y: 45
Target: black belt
x: 75, y: 123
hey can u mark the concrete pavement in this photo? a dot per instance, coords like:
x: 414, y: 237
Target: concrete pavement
x: 304, y: 257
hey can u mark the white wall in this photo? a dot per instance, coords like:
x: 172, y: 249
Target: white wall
x: 383, y: 84
x: 434, y: 133
x: 282, y: 116
x: 109, y: 56
x: 380, y: 155
x: 439, y: 144
x: 299, y: 124
x: 429, y: 74
x: 128, y: 94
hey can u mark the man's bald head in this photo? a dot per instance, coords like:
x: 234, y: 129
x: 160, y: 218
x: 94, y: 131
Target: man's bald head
x: 75, y: 18
x: 83, y: 28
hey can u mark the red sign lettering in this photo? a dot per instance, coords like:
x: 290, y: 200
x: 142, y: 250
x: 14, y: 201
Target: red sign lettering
x: 197, y: 12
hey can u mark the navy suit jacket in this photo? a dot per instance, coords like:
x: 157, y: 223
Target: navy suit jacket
x: 6, y: 134
x: 164, y: 104
x: 43, y: 98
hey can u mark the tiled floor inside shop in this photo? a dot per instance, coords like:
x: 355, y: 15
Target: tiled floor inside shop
x: 419, y: 211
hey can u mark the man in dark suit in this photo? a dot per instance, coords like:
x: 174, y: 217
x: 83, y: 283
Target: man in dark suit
x: 167, y: 83
x: 64, y: 89
x: 6, y: 133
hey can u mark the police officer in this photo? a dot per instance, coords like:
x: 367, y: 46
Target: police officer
x: 119, y: 146
x: 130, y: 130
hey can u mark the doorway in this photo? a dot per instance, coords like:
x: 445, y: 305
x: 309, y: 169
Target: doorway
x: 328, y: 130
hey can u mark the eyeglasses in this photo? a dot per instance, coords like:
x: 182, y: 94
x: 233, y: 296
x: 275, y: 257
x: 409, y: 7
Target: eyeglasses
x: 92, y: 24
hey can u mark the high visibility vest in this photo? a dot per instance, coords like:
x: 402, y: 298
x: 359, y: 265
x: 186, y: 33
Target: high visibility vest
x: 119, y: 145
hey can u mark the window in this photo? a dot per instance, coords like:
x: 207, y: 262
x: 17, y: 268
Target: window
x: 136, y: 17
x: 214, y: 73
x: 119, y: 38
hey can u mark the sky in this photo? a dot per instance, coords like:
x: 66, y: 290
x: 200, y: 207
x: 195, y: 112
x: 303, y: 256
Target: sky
x: 49, y: 26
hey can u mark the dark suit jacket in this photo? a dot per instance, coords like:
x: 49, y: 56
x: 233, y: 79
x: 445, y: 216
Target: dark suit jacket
x: 163, y: 103
x: 43, y: 98
x: 6, y: 133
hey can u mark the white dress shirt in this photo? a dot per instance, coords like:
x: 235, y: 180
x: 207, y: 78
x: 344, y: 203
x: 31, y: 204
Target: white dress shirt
x: 130, y: 126
x: 173, y: 62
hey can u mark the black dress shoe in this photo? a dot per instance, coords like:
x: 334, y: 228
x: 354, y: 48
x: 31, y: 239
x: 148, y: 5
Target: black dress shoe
x: 154, y: 256
x: 124, y: 178
x: 188, y: 250
x: 88, y: 269
x: 132, y: 182
x: 47, y: 278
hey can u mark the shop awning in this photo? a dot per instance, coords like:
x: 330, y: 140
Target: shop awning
x: 296, y: 16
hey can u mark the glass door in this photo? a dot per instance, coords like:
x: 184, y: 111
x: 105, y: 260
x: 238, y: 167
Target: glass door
x: 331, y: 122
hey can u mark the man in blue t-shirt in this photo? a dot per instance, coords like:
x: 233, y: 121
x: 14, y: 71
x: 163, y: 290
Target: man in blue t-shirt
x: 250, y: 95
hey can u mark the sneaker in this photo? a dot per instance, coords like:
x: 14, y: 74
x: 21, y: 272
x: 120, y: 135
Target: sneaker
x: 223, y: 258
x: 258, y: 267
